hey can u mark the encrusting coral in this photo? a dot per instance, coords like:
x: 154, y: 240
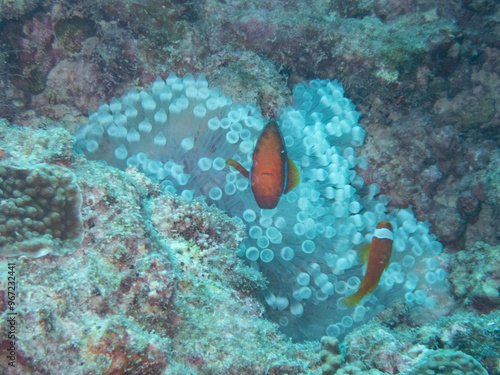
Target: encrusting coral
x: 40, y: 211
x: 447, y: 362
x: 40, y: 198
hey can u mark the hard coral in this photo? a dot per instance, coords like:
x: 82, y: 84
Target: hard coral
x: 446, y: 362
x: 412, y: 349
x: 93, y: 299
x: 40, y: 211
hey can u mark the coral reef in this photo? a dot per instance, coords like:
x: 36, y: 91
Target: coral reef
x: 475, y: 277
x: 89, y: 300
x: 133, y: 299
x: 462, y: 341
x: 445, y: 362
x: 10, y: 9
x: 40, y: 211
x: 26, y: 146
x: 330, y: 355
x: 394, y: 58
x: 142, y: 292
x: 34, y: 57
x: 376, y: 347
x: 475, y: 335
x: 194, y: 222
x: 40, y: 201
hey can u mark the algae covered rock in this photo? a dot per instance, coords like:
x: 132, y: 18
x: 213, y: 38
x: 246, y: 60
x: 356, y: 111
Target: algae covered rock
x: 330, y: 355
x: 475, y: 277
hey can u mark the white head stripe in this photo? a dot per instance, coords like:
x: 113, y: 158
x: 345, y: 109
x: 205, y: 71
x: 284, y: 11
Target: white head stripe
x: 383, y: 233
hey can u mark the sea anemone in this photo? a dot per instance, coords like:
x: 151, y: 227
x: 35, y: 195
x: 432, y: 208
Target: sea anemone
x: 180, y: 132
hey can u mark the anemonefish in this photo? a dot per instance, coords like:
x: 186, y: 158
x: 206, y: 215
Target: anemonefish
x: 273, y: 173
x: 379, y: 255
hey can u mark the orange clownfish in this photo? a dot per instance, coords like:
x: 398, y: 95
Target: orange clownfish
x: 379, y: 255
x: 273, y: 173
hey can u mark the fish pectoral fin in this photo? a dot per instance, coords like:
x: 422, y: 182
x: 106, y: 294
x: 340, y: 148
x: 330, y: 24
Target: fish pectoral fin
x: 293, y: 176
x: 233, y: 163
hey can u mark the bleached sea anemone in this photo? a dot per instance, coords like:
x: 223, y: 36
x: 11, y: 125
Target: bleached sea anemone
x: 180, y: 132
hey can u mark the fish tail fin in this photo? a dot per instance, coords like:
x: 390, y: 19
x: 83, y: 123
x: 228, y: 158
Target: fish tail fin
x: 293, y: 176
x: 353, y: 300
x: 233, y: 163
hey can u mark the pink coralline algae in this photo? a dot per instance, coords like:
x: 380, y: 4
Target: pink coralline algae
x: 421, y: 165
x: 16, y: 9
x: 35, y: 56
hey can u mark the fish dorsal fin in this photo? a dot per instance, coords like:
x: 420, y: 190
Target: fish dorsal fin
x: 233, y: 163
x: 364, y: 253
x: 293, y: 176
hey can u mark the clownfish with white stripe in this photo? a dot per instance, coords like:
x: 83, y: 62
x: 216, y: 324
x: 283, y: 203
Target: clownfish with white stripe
x: 273, y: 173
x: 379, y: 255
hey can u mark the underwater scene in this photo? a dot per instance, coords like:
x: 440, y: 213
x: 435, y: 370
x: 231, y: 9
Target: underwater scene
x: 250, y: 187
